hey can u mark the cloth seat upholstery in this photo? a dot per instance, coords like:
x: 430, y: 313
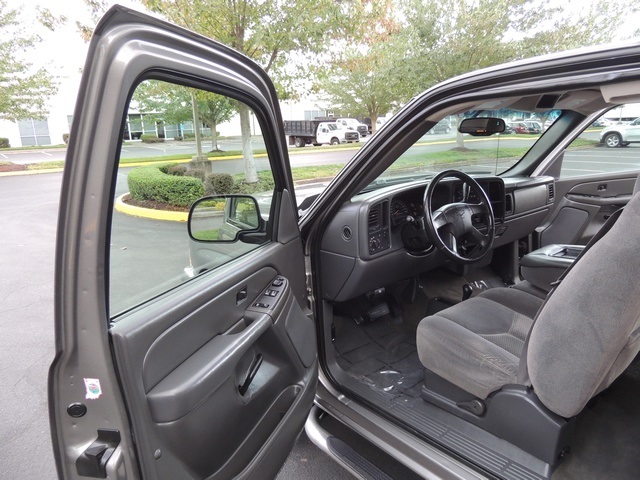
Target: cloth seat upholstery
x: 476, y: 344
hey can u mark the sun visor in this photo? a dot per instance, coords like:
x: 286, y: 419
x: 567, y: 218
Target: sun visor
x: 628, y: 92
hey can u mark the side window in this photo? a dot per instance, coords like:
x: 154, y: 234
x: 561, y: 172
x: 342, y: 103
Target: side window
x: 611, y: 144
x: 184, y: 150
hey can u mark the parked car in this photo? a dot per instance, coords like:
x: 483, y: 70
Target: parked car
x: 395, y: 312
x: 443, y: 126
x: 519, y: 127
x: 507, y: 129
x: 533, y: 126
x: 621, y: 135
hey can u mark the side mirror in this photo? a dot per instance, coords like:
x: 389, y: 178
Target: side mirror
x: 223, y: 218
x: 482, y: 126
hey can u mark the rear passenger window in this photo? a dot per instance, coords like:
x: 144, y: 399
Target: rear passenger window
x: 611, y: 144
x: 184, y: 148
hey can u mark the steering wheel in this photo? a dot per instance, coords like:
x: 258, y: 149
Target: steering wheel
x: 451, y: 227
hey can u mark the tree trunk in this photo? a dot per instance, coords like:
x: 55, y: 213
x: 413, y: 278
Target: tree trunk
x: 196, y: 126
x: 214, y: 134
x: 250, y: 173
x: 459, y: 137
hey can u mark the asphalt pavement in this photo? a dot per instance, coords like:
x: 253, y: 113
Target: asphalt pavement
x: 29, y: 210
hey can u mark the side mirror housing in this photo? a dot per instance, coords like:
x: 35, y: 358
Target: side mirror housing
x: 224, y: 218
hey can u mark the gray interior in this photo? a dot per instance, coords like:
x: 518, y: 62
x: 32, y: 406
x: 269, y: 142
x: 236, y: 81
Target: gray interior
x: 374, y: 335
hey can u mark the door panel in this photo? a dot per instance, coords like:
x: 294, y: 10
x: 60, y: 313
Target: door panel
x: 183, y: 385
x: 582, y: 207
x: 158, y: 373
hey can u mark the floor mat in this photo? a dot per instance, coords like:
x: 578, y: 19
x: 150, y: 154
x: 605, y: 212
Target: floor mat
x: 381, y: 355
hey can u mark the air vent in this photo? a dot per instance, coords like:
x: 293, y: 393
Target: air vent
x: 508, y: 204
x: 375, y: 217
x: 347, y: 234
x: 552, y: 192
x: 378, y: 219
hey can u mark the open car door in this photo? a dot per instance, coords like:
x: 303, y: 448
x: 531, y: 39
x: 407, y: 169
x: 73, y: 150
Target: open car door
x: 160, y: 373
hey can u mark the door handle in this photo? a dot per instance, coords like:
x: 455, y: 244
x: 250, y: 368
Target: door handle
x: 253, y: 369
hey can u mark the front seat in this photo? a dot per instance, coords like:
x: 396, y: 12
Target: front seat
x: 578, y: 341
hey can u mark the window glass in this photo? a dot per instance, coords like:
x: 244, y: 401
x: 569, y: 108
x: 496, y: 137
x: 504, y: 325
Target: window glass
x: 34, y: 132
x: 172, y: 167
x: 442, y: 147
x: 611, y: 144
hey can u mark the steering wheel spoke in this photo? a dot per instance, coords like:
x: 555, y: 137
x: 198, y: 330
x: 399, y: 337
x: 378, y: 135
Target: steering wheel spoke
x: 451, y: 227
x: 478, y: 237
x: 477, y: 208
x: 439, y: 219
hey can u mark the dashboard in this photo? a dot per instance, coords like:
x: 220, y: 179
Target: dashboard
x: 378, y: 238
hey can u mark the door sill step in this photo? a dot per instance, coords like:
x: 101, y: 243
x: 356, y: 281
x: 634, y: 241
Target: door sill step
x: 340, y: 451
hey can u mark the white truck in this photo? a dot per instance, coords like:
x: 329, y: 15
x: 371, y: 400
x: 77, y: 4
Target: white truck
x: 317, y: 132
x: 353, y: 124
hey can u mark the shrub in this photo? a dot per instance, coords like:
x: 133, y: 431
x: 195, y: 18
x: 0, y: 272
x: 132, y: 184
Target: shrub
x: 220, y: 184
x: 4, y: 143
x: 151, y: 139
x: 150, y: 183
x: 65, y: 137
x: 198, y: 173
x: 265, y: 183
x: 177, y: 170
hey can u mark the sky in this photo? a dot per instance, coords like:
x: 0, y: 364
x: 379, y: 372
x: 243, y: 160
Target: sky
x: 63, y: 51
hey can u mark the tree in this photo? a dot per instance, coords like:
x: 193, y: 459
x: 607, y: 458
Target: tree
x: 273, y: 33
x: 175, y: 104
x: 360, y: 85
x: 452, y: 37
x: 23, y: 90
x: 360, y: 79
x: 214, y: 109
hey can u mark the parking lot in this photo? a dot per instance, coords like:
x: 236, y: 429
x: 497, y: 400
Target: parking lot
x: 29, y: 208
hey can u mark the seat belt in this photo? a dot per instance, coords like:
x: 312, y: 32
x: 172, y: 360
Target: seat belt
x: 523, y: 371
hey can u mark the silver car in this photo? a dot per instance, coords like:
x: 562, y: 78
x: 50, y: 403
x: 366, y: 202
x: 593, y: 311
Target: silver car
x: 621, y: 135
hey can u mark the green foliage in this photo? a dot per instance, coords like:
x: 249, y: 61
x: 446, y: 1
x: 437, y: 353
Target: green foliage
x: 151, y: 139
x: 198, y: 173
x: 220, y: 184
x: 23, y: 91
x: 151, y: 183
x: 65, y: 138
x: 177, y: 170
x: 4, y: 143
x: 452, y: 37
x: 269, y: 32
x: 265, y: 183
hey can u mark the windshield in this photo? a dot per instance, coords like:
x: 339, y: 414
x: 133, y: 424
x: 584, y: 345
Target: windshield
x: 442, y: 147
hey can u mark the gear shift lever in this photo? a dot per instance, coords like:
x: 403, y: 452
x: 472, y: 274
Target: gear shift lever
x: 467, y: 290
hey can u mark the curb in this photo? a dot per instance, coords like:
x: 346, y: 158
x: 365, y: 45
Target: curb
x: 149, y: 212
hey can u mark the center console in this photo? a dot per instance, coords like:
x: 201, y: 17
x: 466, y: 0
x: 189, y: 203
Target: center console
x: 542, y: 267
